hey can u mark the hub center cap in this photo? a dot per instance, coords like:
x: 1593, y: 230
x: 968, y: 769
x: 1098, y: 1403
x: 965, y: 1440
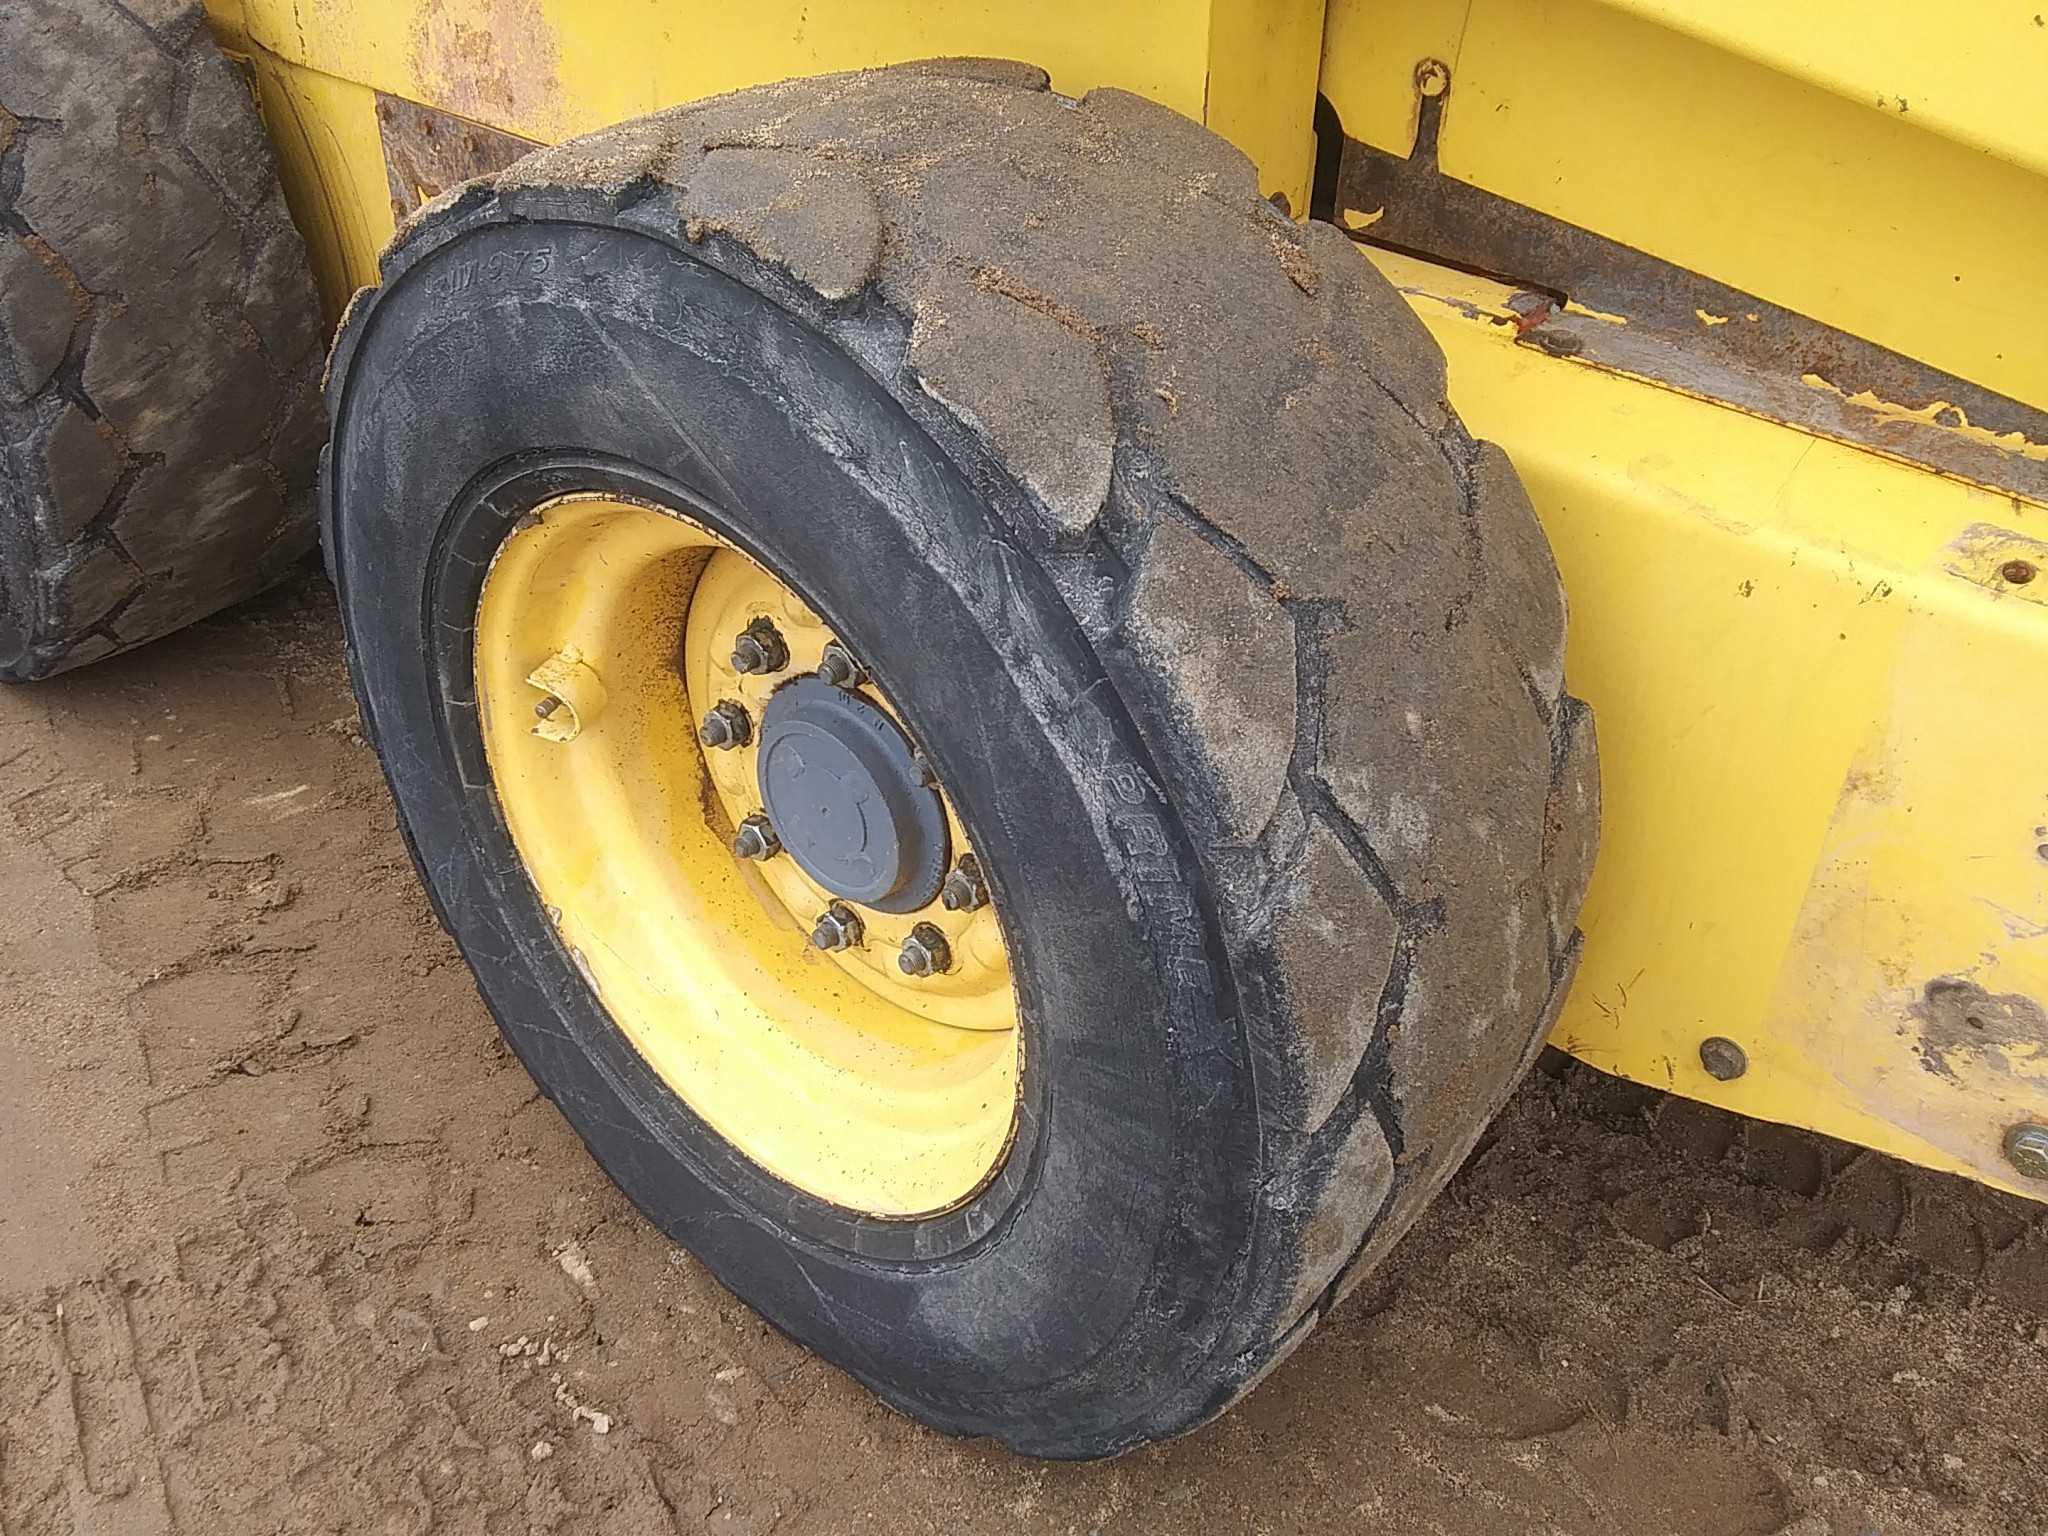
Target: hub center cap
x: 840, y: 783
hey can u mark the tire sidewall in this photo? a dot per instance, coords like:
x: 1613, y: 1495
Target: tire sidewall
x: 1072, y: 1305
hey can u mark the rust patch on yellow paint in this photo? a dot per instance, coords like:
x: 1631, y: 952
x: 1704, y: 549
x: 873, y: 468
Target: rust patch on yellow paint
x: 1938, y: 413
x: 426, y: 152
x: 2003, y: 562
x: 491, y: 60
x: 1961, y: 1024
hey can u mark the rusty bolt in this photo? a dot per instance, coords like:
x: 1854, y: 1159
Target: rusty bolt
x: 1432, y: 77
x: 837, y: 667
x: 1556, y: 343
x: 925, y: 952
x: 964, y: 890
x: 756, y: 839
x: 726, y: 725
x: 2018, y: 572
x: 546, y: 707
x: 2026, y: 1148
x: 1723, y: 1058
x: 838, y: 927
x: 760, y: 648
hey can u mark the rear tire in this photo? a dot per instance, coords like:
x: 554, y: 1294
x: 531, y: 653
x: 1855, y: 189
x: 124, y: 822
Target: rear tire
x: 1240, y: 660
x: 160, y: 340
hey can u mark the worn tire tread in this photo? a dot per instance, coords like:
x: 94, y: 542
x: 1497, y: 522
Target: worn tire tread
x: 160, y: 342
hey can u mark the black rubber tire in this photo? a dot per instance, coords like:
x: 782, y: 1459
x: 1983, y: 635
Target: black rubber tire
x: 1240, y: 659
x: 160, y: 339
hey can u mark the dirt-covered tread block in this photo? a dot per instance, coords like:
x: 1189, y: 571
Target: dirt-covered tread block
x: 1035, y: 389
x: 778, y: 202
x: 159, y: 333
x: 1338, y: 941
x: 1221, y: 441
x: 1523, y: 598
x: 1571, y: 820
x: 38, y: 311
x: 1225, y: 647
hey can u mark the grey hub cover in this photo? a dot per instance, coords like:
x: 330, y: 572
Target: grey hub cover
x: 842, y: 787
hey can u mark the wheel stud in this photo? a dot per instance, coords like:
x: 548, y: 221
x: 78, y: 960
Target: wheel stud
x: 837, y: 667
x: 964, y: 890
x: 839, y: 927
x: 925, y: 952
x: 760, y: 649
x: 726, y: 725
x: 756, y: 839
x: 546, y: 707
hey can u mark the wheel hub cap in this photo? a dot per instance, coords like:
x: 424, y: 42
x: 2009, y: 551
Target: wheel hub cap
x: 844, y: 790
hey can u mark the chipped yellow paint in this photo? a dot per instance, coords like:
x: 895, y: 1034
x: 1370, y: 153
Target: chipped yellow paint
x: 1913, y: 985
x: 1354, y: 219
x: 1940, y: 413
x: 1574, y: 307
x: 1707, y: 319
x: 497, y: 56
x: 1822, y: 770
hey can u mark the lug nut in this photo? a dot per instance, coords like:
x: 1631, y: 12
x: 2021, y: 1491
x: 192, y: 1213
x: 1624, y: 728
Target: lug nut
x: 756, y: 839
x: 837, y: 667
x: 839, y: 927
x: 726, y: 725
x: 760, y: 648
x: 964, y: 890
x: 925, y: 952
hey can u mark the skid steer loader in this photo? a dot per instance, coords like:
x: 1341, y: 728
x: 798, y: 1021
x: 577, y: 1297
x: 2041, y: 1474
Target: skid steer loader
x: 964, y: 606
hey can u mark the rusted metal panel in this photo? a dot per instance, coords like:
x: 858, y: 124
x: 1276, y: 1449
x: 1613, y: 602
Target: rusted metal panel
x: 428, y: 151
x: 1593, y: 298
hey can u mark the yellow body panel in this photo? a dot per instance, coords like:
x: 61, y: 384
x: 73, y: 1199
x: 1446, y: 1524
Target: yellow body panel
x: 549, y: 69
x: 1972, y: 72
x: 1824, y: 784
x: 1758, y: 166
x: 1822, y: 759
x: 327, y: 140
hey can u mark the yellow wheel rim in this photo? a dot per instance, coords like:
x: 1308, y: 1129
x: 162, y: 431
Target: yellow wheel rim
x: 604, y: 637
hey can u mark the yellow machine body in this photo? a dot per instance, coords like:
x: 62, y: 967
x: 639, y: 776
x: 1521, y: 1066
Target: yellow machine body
x: 1804, y: 605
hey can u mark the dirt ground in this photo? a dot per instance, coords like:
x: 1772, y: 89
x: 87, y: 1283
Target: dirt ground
x: 289, y: 1243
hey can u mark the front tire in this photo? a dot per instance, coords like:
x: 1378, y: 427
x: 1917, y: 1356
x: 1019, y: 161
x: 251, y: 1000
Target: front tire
x: 1239, y: 660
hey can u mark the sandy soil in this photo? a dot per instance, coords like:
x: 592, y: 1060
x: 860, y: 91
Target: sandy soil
x: 289, y: 1242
